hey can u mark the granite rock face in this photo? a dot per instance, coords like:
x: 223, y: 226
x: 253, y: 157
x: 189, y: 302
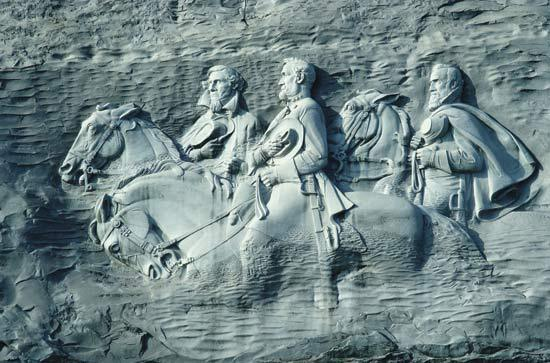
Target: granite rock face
x: 63, y: 299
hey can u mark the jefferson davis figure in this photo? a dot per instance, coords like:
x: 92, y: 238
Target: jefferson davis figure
x: 220, y: 138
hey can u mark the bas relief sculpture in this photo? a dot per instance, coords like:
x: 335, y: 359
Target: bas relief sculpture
x: 237, y: 206
x: 219, y: 138
x: 370, y: 144
x: 465, y: 163
x: 274, y: 181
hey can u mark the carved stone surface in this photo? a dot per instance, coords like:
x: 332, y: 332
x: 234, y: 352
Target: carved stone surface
x: 274, y: 181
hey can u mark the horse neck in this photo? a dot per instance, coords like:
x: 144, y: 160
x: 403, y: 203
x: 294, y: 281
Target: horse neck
x: 176, y: 205
x: 140, y: 147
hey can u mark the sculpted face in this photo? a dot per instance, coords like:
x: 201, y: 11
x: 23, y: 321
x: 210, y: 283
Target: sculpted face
x: 289, y: 83
x: 220, y: 89
x: 442, y: 88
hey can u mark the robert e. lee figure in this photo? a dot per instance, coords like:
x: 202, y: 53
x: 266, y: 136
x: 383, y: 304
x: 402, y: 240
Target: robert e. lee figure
x: 466, y: 164
x: 293, y: 193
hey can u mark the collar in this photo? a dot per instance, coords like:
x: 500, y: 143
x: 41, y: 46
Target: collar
x: 231, y: 106
x: 293, y: 102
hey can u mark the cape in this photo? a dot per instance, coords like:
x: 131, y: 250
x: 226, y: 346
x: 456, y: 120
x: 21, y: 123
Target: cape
x: 504, y: 183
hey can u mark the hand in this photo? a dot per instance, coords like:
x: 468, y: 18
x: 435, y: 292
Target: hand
x: 194, y: 155
x: 268, y: 176
x: 217, y: 182
x: 211, y: 149
x: 231, y: 166
x: 425, y: 157
x: 416, y: 141
x: 272, y: 147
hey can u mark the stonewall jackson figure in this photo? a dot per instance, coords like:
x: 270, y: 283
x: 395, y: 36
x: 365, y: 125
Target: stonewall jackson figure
x: 294, y: 192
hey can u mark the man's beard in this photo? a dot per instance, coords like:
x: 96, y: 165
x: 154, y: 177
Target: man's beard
x: 216, y: 105
x: 285, y: 97
x: 217, y: 102
x: 449, y: 96
x: 435, y: 101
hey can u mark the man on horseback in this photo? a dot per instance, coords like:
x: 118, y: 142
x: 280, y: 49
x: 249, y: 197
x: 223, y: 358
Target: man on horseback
x: 220, y: 137
x: 293, y: 193
x: 466, y: 164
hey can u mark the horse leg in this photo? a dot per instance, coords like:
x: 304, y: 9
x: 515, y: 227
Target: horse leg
x: 260, y: 271
x: 392, y: 228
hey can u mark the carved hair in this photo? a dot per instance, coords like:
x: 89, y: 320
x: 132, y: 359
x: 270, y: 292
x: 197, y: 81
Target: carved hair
x: 303, y: 67
x: 453, y: 73
x: 237, y: 81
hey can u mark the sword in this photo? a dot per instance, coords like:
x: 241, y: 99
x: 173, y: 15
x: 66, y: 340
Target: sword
x: 457, y: 204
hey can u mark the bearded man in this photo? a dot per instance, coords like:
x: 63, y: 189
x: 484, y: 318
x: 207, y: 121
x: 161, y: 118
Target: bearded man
x: 466, y: 164
x: 220, y: 138
x: 294, y: 195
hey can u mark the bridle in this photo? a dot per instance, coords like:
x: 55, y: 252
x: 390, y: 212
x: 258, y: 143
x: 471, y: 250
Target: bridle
x: 146, y: 247
x: 87, y: 168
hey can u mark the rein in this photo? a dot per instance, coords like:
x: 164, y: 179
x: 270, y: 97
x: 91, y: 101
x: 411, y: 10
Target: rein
x: 148, y: 248
x: 87, y: 168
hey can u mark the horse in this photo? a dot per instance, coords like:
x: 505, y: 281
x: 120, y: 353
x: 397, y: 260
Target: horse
x: 370, y: 143
x: 124, y: 134
x: 163, y: 227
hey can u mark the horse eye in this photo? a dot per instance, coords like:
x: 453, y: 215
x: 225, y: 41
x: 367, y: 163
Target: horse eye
x: 92, y: 128
x: 115, y: 248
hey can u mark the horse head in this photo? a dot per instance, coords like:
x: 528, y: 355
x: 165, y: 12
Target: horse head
x: 362, y: 108
x: 99, y: 141
x: 371, y: 129
x: 130, y: 237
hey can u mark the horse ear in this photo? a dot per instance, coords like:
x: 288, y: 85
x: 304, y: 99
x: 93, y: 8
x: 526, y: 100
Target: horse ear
x: 103, y: 208
x: 92, y: 232
x: 137, y: 221
x: 133, y: 111
x: 103, y: 107
x: 386, y: 98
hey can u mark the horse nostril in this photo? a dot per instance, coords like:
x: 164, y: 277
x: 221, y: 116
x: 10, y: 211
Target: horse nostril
x: 169, y: 259
x: 153, y: 274
x: 68, y: 170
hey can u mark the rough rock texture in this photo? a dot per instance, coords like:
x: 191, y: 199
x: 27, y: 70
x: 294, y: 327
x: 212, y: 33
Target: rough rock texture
x: 62, y: 300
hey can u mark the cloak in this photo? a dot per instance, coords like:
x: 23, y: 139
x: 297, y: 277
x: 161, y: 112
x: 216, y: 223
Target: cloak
x: 504, y: 183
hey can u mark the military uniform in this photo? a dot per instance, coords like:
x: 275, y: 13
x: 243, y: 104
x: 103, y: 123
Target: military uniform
x: 476, y: 164
x: 303, y: 192
x: 234, y: 126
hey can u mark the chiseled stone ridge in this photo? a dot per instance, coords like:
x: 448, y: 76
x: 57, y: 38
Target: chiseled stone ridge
x: 274, y: 181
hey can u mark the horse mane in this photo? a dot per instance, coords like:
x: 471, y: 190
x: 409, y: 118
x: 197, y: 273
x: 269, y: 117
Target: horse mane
x: 164, y: 139
x: 132, y: 112
x: 154, y: 167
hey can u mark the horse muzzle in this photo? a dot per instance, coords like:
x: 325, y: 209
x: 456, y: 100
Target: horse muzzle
x: 163, y: 265
x: 70, y: 170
